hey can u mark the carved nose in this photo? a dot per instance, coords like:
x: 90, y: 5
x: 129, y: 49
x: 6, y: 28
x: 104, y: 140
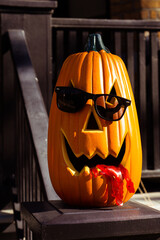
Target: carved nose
x: 92, y: 123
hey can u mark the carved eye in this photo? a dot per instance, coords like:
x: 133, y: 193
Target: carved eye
x: 111, y: 99
x: 113, y: 91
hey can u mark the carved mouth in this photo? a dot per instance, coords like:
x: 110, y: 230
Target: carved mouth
x: 80, y: 162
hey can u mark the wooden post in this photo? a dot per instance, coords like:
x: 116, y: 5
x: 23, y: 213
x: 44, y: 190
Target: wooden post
x: 34, y: 17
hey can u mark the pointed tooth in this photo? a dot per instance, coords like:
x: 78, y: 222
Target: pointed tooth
x: 85, y: 171
x: 72, y: 172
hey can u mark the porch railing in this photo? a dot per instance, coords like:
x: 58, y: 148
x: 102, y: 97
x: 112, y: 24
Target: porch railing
x: 31, y: 171
x: 137, y: 43
x: 31, y: 125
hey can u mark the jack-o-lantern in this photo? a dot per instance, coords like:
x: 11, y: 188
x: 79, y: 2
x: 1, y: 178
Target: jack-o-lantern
x: 94, y: 146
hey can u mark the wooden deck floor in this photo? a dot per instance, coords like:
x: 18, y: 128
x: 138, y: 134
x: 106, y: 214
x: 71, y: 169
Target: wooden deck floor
x: 150, y: 199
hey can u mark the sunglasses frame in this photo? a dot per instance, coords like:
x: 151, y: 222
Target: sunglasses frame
x: 121, y: 101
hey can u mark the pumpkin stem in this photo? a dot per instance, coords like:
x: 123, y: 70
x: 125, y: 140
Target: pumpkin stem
x: 95, y: 43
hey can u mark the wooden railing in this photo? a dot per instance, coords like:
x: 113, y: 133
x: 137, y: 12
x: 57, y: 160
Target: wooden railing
x: 32, y: 125
x: 31, y: 170
x: 137, y: 43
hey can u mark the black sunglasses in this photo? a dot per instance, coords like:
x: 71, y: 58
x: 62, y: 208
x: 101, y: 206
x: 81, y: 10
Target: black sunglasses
x: 109, y: 107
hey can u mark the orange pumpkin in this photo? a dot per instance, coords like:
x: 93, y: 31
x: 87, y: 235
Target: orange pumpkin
x: 83, y: 136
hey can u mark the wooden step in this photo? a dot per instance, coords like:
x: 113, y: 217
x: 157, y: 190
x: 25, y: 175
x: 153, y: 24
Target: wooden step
x: 9, y: 233
x: 7, y: 225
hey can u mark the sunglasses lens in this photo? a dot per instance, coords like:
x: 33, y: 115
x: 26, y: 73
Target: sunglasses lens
x: 109, y: 108
x: 70, y: 101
